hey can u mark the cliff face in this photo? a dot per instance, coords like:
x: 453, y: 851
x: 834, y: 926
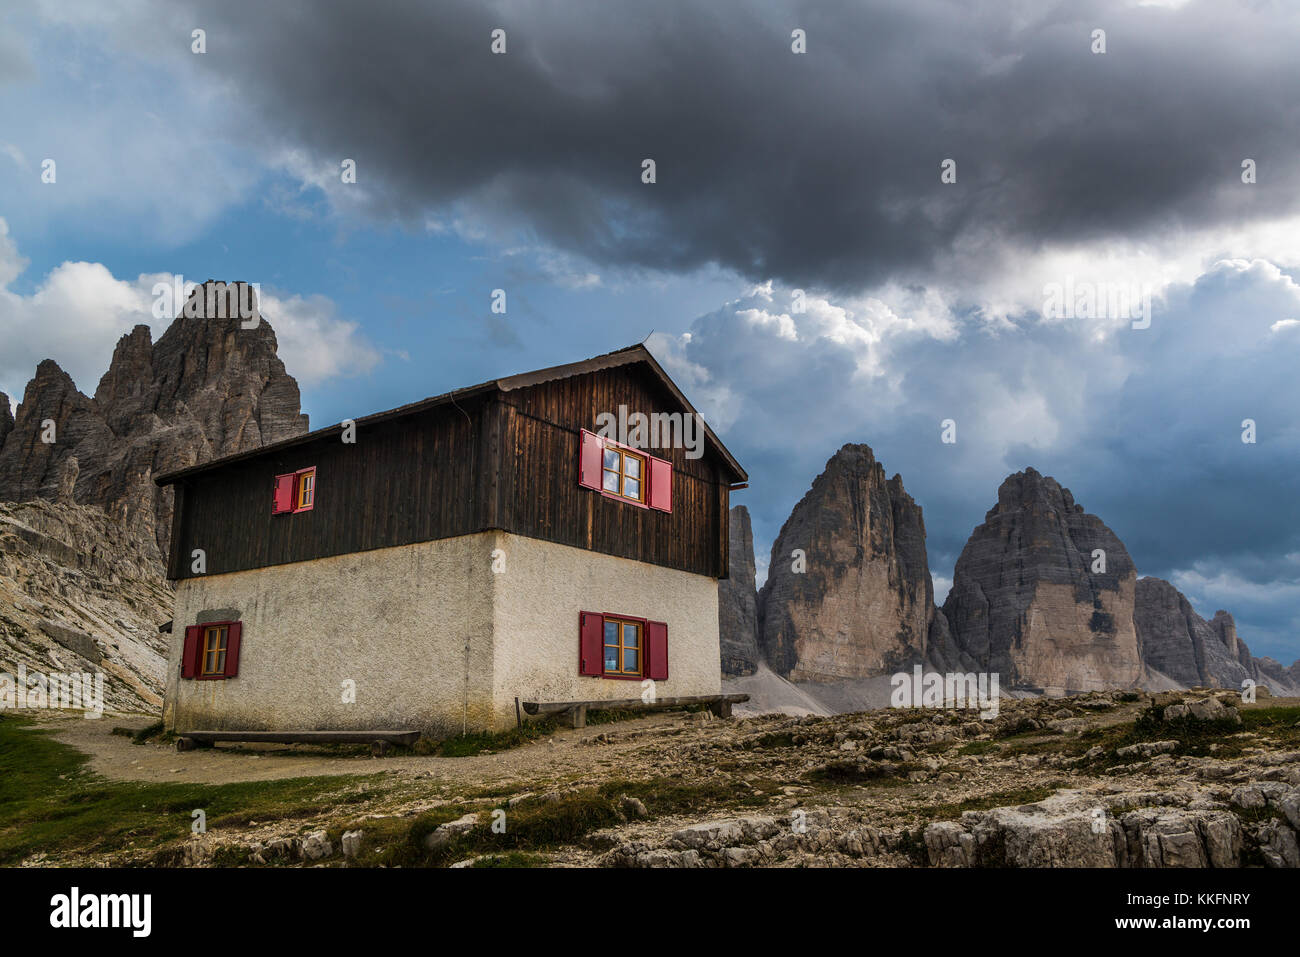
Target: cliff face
x: 1177, y: 642
x: 738, y: 601
x: 208, y: 387
x: 859, y: 601
x: 79, y: 593
x: 1031, y: 601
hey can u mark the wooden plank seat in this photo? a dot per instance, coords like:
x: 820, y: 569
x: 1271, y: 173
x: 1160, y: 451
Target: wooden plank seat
x: 719, y: 704
x: 379, y: 741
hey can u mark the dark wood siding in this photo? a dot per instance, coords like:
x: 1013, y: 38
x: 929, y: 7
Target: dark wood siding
x: 541, y: 497
x: 412, y: 479
x: 503, y: 460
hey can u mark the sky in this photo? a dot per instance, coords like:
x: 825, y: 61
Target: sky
x: 887, y: 223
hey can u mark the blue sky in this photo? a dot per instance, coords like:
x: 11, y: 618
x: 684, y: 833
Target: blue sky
x: 777, y: 172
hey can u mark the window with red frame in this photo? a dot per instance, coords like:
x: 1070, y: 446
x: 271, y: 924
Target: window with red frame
x: 611, y: 645
x: 623, y: 473
x: 294, y: 492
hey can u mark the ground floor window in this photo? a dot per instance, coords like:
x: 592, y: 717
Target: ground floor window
x: 622, y: 646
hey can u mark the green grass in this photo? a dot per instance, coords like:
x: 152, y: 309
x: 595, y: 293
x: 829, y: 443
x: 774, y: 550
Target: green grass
x: 50, y: 803
x: 540, y: 823
x: 1014, y: 798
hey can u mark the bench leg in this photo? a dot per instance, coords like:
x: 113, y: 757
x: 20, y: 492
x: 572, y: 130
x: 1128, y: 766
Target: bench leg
x: 579, y: 716
x: 185, y: 744
x: 721, y: 709
x: 379, y: 748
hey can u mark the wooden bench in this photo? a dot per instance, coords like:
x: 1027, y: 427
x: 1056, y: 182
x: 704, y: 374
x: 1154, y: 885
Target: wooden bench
x: 379, y: 741
x: 576, y: 711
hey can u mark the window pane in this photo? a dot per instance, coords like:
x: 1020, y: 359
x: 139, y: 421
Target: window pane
x: 629, y: 659
x: 611, y: 633
x: 633, y: 467
x: 611, y: 481
x: 632, y: 488
x: 611, y: 659
x: 221, y: 663
x: 629, y: 636
x: 611, y: 459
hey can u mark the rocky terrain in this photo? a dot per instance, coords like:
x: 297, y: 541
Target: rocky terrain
x: 80, y: 594
x: 1105, y: 779
x: 1044, y: 594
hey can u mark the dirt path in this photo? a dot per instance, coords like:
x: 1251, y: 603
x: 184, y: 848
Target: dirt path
x: 117, y: 757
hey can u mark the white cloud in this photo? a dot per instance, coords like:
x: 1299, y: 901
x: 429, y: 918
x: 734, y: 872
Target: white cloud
x: 79, y: 310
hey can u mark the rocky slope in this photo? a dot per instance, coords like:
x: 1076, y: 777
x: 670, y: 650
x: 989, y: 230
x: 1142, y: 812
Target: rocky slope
x: 79, y: 593
x: 1043, y: 594
x: 207, y: 388
x: 738, y: 601
x: 859, y: 601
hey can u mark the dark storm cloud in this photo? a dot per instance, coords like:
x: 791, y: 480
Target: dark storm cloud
x: 820, y: 169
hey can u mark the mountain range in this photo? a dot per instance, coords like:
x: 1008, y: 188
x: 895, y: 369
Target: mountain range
x: 1044, y: 594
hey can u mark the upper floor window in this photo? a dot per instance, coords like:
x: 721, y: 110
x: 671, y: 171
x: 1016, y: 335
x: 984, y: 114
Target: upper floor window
x: 624, y: 474
x: 306, y: 488
x: 617, y: 471
x: 294, y: 492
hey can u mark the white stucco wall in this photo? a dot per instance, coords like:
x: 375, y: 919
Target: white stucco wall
x: 411, y: 625
x: 434, y: 638
x: 543, y: 589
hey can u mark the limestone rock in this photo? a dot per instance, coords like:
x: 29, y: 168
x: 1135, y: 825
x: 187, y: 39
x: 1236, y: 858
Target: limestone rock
x: 316, y: 846
x: 860, y: 601
x: 79, y: 591
x: 1178, y: 643
x: 738, y: 601
x: 445, y: 833
x: 209, y: 387
x: 1025, y: 601
x: 6, y: 419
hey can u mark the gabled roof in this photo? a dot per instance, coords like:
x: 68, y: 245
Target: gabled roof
x: 630, y: 355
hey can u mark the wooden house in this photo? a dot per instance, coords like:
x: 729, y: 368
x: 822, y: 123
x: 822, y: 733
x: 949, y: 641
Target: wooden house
x: 427, y: 568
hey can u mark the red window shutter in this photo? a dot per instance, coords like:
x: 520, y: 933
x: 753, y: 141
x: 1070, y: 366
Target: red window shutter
x: 593, y: 447
x: 284, y: 493
x: 232, y: 648
x: 656, y: 650
x: 191, y: 650
x: 661, y: 485
x: 591, y: 643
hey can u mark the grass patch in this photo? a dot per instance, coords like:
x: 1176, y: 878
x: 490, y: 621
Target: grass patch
x: 980, y: 747
x: 547, y: 822
x: 863, y: 772
x: 50, y: 803
x: 511, y: 859
x: 1013, y: 798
